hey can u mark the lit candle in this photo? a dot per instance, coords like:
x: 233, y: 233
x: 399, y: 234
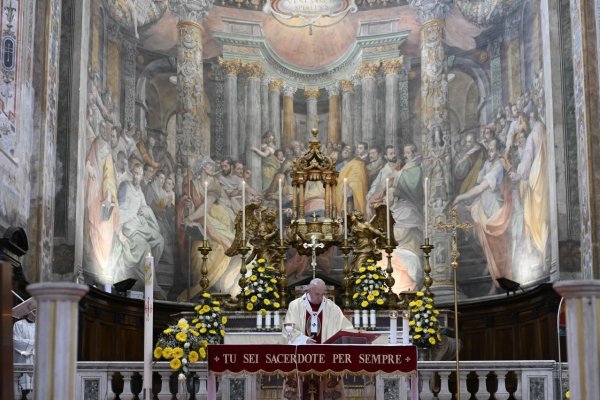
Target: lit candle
x: 280, y: 211
x: 244, y: 213
x: 387, y: 207
x: 148, y: 321
x: 345, y: 209
x: 205, y: 208
x: 426, y: 207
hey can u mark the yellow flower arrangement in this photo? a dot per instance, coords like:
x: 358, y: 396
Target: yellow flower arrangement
x: 260, y: 291
x: 185, y: 342
x: 370, y: 286
x: 424, y: 327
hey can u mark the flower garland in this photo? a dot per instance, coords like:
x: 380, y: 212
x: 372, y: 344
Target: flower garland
x: 424, y: 327
x: 370, y: 286
x: 185, y: 343
x: 260, y: 290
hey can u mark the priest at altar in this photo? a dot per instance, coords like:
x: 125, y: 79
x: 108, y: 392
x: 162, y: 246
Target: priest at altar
x: 314, y: 319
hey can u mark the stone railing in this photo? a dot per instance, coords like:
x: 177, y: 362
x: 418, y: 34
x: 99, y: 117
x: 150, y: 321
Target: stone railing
x: 523, y: 380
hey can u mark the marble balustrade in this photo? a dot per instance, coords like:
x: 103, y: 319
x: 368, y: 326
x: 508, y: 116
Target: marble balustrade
x: 524, y: 380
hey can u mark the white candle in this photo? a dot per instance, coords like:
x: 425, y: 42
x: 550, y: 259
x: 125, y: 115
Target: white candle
x: 280, y: 211
x: 393, y: 327
x: 148, y: 322
x: 205, y: 208
x: 405, y: 329
x: 244, y: 213
x: 426, y: 207
x: 387, y: 207
x: 345, y: 209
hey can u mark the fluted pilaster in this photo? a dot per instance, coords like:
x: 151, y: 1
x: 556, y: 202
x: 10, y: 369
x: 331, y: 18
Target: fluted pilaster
x: 231, y: 68
x: 253, y: 120
x: 367, y: 74
x: 347, y: 111
x: 334, y: 122
x: 289, y: 123
x: 275, y: 87
x: 391, y: 68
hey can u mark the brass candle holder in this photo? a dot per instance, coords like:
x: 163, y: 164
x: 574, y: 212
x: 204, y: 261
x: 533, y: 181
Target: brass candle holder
x: 242, y: 282
x: 204, y: 249
x: 427, y: 280
x: 347, y: 278
x: 392, y: 297
x: 282, y: 277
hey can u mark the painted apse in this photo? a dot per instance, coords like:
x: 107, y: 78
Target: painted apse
x: 183, y: 104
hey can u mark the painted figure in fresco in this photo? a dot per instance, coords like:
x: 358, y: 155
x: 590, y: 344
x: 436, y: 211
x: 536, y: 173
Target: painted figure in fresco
x: 532, y: 175
x: 406, y: 187
x: 375, y: 164
x: 223, y: 274
x: 102, y: 212
x: 354, y: 172
x: 139, y: 233
x: 231, y: 183
x: 362, y: 151
x: 270, y: 163
x: 468, y: 164
x: 376, y: 193
x: 491, y: 211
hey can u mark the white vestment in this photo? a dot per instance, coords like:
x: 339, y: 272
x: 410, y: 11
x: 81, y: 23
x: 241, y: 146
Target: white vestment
x: 24, y: 345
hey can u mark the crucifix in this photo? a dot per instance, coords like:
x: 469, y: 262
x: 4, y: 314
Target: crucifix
x: 313, y: 245
x: 453, y: 227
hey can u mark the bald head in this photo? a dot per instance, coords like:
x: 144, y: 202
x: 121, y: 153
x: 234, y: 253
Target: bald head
x: 316, y: 289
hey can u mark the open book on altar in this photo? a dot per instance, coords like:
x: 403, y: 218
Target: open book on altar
x: 352, y: 337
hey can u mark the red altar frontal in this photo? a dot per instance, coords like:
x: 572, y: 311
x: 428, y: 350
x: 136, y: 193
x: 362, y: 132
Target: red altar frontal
x: 312, y: 359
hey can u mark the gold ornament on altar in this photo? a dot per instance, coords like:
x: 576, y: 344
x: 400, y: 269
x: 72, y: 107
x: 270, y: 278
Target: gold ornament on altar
x: 368, y: 238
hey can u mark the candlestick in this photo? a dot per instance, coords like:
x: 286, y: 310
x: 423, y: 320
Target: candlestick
x: 393, y: 327
x: 387, y: 209
x: 148, y: 322
x: 405, y: 329
x: 244, y: 212
x: 345, y: 209
x: 205, y: 208
x: 426, y: 207
x: 280, y: 211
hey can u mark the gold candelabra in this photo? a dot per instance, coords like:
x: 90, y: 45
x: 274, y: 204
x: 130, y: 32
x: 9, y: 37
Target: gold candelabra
x: 392, y: 297
x: 282, y: 276
x: 453, y: 227
x: 427, y: 280
x: 204, y: 249
x: 347, y: 281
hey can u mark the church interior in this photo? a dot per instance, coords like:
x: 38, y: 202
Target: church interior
x: 448, y: 145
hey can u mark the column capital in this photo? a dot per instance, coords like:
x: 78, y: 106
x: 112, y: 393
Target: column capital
x: 333, y: 90
x: 276, y: 85
x: 231, y: 67
x: 390, y: 67
x: 368, y: 69
x: 254, y: 69
x: 311, y: 93
x: 346, y: 85
x: 289, y: 90
x: 190, y: 10
x: 428, y: 10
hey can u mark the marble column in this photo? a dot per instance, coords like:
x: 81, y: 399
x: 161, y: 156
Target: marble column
x: 587, y: 116
x: 231, y: 68
x: 403, y: 104
x: 56, y: 338
x: 494, y: 50
x: 334, y: 134
x: 391, y: 69
x: 367, y: 72
x: 289, y: 119
x: 264, y: 104
x: 347, y: 111
x: 435, y: 132
x: 193, y: 135
x: 312, y: 118
x: 275, y: 87
x: 253, y: 121
x: 582, y: 300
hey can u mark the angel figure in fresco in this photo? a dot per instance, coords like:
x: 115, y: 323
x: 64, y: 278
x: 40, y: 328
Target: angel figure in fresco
x: 261, y: 232
x: 270, y: 163
x: 368, y: 238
